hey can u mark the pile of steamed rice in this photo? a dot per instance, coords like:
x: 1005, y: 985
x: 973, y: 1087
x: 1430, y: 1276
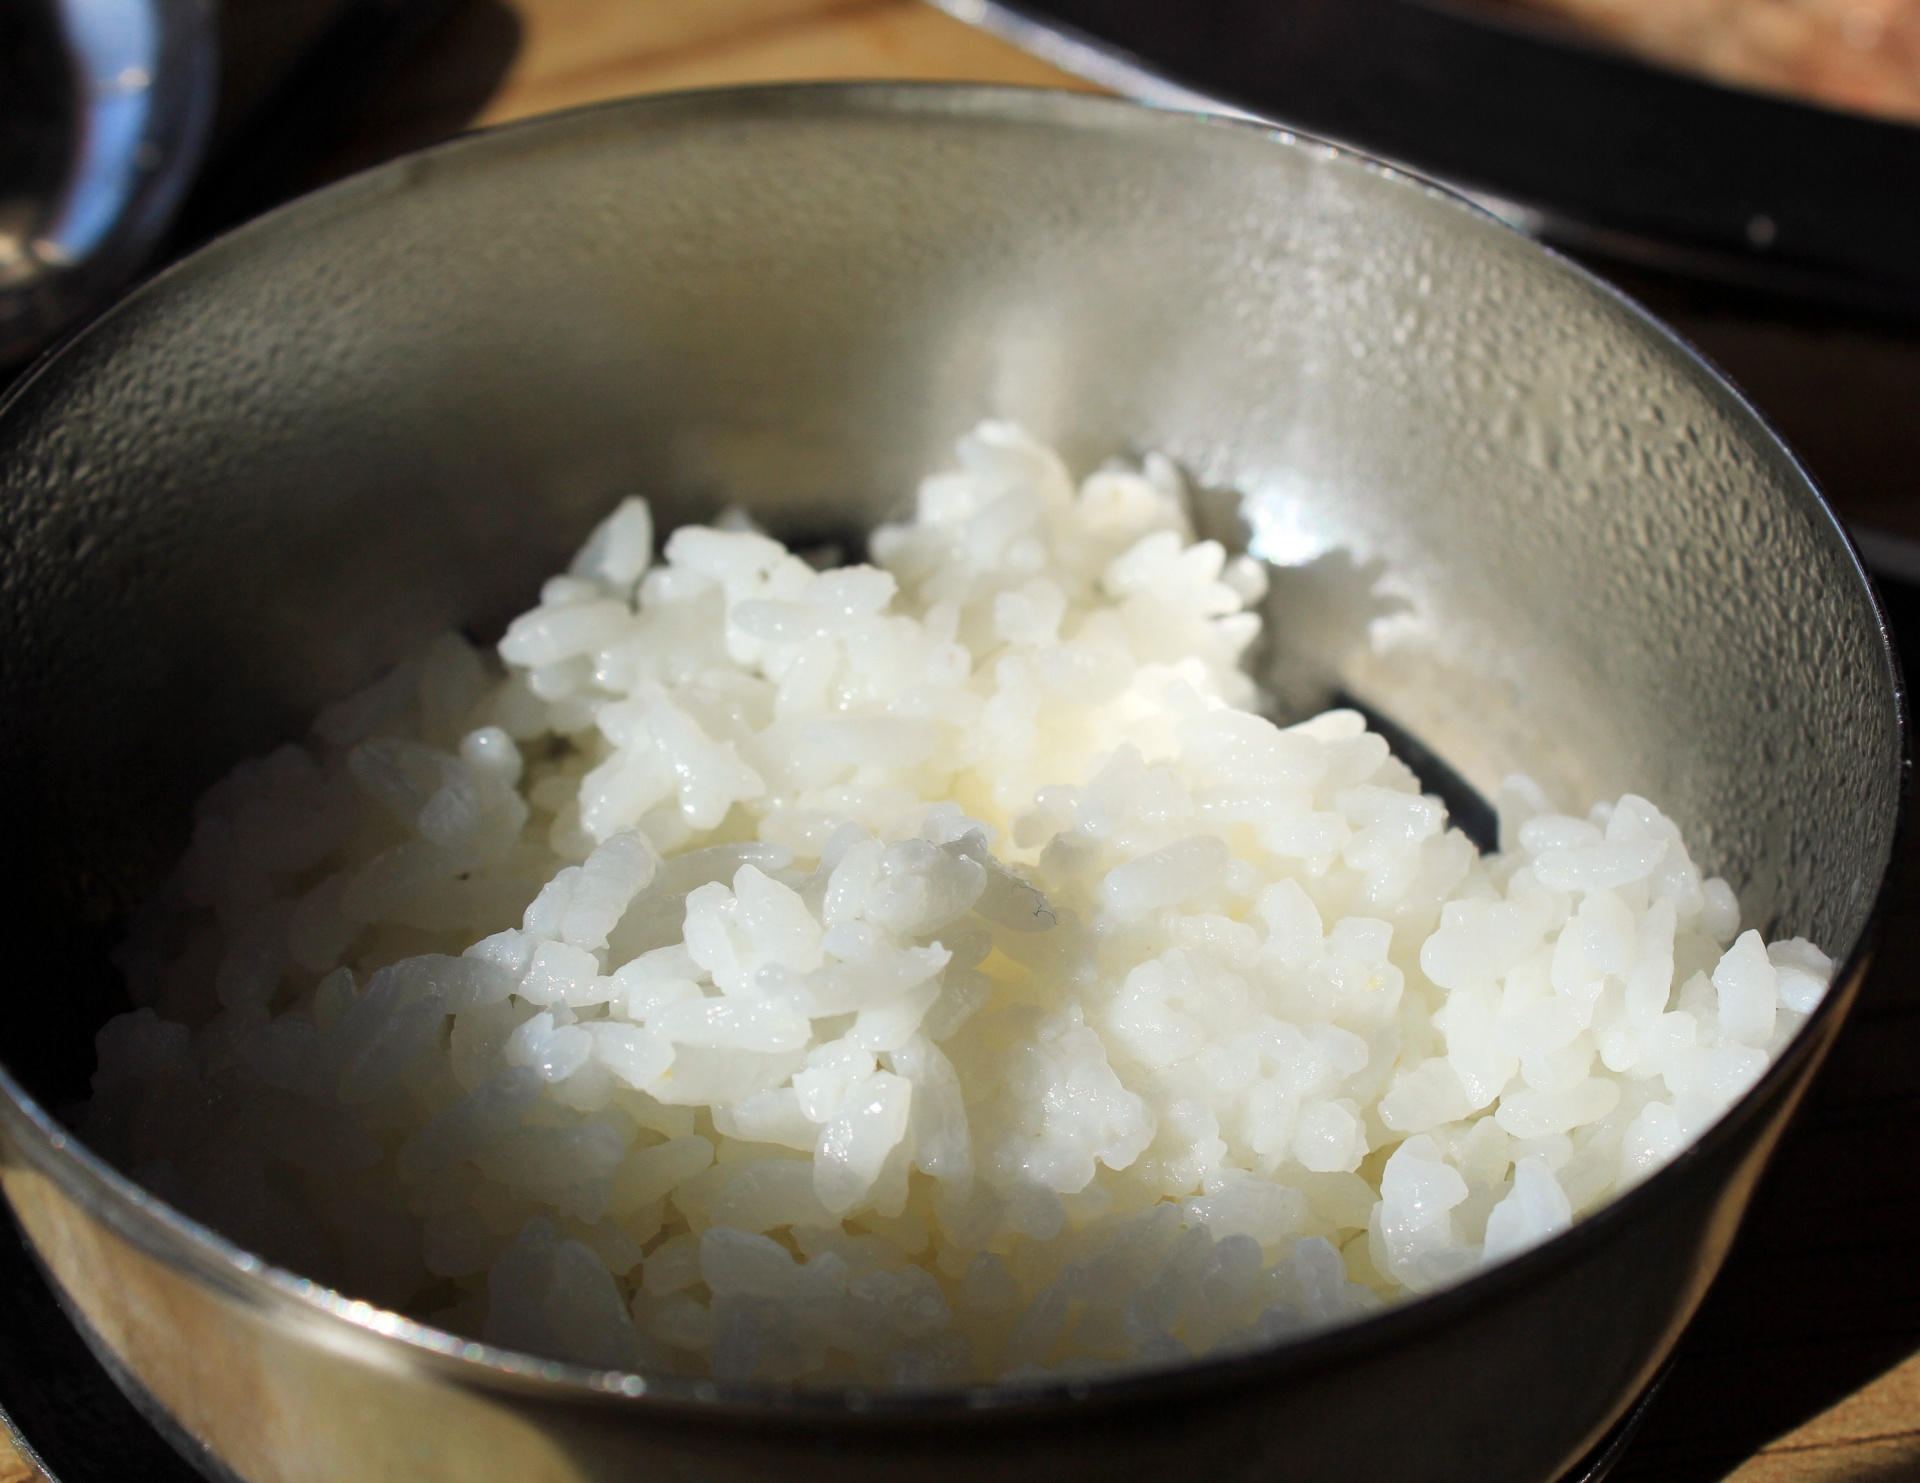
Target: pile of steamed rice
x: 916, y: 973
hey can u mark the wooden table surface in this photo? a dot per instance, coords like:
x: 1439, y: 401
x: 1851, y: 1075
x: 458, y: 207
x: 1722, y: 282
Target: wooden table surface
x: 1804, y: 1367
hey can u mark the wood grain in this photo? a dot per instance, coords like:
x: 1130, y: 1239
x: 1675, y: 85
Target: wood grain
x: 500, y: 60
x: 1870, y: 1436
x: 1873, y: 1436
x: 1855, y: 54
x: 660, y: 45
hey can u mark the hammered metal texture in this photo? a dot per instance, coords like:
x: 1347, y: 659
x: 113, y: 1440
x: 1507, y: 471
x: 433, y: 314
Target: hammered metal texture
x: 1512, y: 515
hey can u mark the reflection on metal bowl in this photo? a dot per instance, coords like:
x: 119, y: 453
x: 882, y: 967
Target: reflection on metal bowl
x: 395, y: 406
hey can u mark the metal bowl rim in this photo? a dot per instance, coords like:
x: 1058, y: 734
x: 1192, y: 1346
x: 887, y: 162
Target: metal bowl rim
x: 158, y: 1229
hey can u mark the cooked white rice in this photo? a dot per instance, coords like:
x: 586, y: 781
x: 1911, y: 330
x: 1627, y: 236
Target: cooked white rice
x: 913, y: 973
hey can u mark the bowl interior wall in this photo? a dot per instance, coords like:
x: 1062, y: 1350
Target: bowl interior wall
x: 1512, y: 516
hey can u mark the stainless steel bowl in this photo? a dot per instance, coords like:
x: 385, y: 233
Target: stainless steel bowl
x: 1521, y: 522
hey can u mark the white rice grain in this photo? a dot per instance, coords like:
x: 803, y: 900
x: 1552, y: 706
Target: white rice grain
x: 915, y: 973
